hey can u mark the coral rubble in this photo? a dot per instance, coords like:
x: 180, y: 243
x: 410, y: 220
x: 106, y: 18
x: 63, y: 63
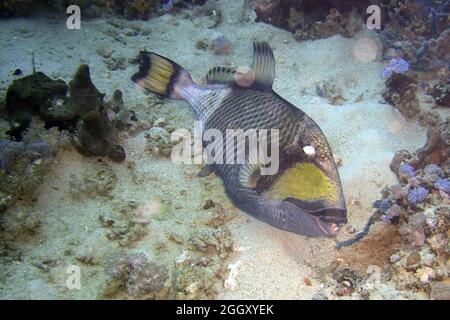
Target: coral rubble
x: 136, y: 274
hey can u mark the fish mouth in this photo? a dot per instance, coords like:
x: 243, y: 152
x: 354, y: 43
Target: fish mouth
x: 287, y: 216
x: 328, y: 220
x: 331, y: 220
x: 330, y: 229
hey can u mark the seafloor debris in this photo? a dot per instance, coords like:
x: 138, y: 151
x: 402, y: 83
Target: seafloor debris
x: 409, y: 248
x: 330, y: 91
x: 97, y: 179
x: 23, y: 164
x: 158, y: 142
x: 19, y: 222
x: 136, y: 274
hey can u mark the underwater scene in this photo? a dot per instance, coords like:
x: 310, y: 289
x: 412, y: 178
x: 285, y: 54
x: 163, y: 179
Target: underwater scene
x: 225, y: 149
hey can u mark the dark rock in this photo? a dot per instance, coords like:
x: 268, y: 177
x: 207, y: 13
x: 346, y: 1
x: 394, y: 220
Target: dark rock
x: 401, y: 93
x: 441, y: 93
x: 32, y: 95
x: 96, y: 136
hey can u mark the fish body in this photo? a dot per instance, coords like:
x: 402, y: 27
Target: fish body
x: 305, y: 195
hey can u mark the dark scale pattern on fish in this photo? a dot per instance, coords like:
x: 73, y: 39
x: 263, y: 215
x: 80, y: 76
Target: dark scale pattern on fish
x: 249, y: 109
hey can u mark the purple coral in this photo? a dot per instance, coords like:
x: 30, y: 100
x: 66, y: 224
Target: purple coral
x: 443, y: 185
x: 433, y: 169
x: 417, y: 195
x: 383, y: 205
x: 397, y: 65
x: 406, y: 170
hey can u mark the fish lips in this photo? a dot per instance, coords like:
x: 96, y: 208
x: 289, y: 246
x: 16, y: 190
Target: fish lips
x: 329, y: 219
x: 325, y: 222
x: 329, y: 228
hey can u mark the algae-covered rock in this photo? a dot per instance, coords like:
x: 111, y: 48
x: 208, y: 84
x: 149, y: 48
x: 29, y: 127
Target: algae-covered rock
x: 96, y: 136
x: 22, y: 167
x: 95, y: 123
x: 83, y: 92
x: 33, y: 95
x: 401, y: 93
x: 441, y: 93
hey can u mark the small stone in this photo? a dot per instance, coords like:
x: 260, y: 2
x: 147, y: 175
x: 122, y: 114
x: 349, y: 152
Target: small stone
x: 394, y: 258
x: 222, y: 46
x: 412, y: 259
x: 208, y: 204
x: 161, y: 122
x: 347, y: 283
x: 350, y: 229
x: 426, y: 274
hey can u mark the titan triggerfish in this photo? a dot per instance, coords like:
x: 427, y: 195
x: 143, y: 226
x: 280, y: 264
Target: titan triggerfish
x: 305, y: 196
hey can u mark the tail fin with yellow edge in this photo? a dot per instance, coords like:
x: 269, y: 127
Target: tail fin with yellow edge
x: 161, y: 76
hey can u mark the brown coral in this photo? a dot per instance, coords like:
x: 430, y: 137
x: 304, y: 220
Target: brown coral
x: 401, y: 93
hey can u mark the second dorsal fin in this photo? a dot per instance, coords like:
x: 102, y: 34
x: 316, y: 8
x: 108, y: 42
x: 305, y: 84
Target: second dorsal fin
x: 263, y: 65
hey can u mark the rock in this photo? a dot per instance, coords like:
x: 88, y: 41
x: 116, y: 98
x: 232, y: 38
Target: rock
x: 401, y: 94
x: 440, y: 291
x: 96, y: 136
x: 31, y: 96
x: 394, y: 258
x: 221, y: 45
x: 426, y: 274
x: 441, y: 93
x: 413, y: 259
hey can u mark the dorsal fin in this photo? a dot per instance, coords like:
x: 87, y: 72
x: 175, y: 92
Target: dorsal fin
x: 224, y: 75
x: 263, y: 65
x: 260, y: 75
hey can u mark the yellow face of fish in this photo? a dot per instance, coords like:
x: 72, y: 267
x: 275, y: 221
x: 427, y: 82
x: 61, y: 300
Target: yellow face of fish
x: 312, y: 183
x: 306, y: 182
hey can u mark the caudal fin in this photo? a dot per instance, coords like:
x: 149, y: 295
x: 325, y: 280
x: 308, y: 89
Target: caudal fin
x: 161, y: 76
